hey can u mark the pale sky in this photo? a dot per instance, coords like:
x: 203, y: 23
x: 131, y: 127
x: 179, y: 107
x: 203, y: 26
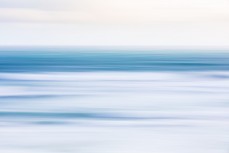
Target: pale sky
x: 155, y: 23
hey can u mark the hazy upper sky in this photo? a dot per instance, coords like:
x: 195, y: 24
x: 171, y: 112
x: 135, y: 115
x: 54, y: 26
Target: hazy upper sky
x: 156, y: 23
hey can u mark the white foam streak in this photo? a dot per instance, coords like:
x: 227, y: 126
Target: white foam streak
x: 114, y: 112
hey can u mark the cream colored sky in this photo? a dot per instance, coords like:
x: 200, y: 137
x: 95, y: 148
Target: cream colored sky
x: 115, y: 22
x: 114, y: 11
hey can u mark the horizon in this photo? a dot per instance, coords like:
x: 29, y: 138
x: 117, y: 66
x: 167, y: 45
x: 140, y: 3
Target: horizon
x: 114, y: 76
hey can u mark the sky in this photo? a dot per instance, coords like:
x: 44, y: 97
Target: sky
x: 152, y: 23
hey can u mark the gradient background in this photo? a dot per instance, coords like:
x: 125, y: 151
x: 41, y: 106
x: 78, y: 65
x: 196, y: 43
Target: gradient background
x: 114, y: 76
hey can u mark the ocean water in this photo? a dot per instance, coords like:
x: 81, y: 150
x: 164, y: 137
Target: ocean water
x: 92, y: 101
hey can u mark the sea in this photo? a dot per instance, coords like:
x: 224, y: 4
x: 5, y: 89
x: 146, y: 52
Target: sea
x: 91, y: 100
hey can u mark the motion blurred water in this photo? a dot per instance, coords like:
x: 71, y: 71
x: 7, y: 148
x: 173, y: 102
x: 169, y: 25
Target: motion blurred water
x: 113, y: 102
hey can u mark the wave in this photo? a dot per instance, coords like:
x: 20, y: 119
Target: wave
x: 51, y: 61
x: 92, y: 95
x: 119, y: 111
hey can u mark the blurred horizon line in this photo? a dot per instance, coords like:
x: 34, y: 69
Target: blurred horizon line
x: 114, y: 48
